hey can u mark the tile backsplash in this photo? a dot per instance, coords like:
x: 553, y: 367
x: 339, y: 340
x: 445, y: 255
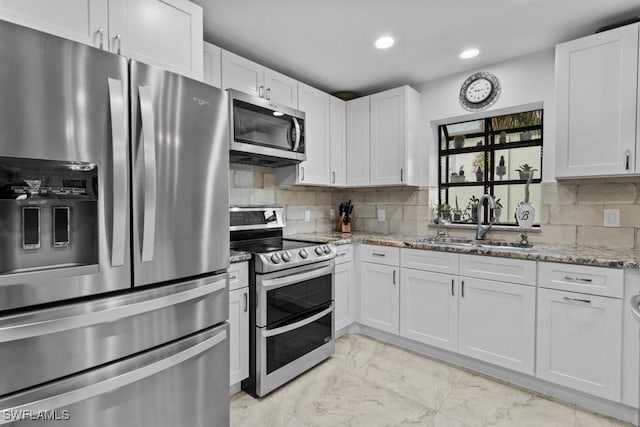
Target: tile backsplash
x: 572, y: 213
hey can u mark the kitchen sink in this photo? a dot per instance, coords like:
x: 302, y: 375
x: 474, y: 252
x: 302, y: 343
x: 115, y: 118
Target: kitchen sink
x: 481, y: 244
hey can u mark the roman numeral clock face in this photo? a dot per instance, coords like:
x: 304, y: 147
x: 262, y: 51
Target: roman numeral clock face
x: 479, y: 91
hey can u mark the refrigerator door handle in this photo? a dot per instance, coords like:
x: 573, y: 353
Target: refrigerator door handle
x: 44, y: 327
x: 119, y: 146
x: 93, y: 390
x: 149, y: 160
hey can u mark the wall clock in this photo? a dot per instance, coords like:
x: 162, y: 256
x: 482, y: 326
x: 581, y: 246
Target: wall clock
x: 481, y: 90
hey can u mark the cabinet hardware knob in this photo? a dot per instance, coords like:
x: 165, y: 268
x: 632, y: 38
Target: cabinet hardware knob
x: 261, y: 92
x: 268, y: 93
x: 394, y: 277
x: 101, y: 35
x: 462, y: 289
x: 578, y: 300
x: 452, y: 283
x: 233, y: 277
x: 378, y: 255
x: 577, y: 279
x: 246, y: 302
x: 627, y: 155
x: 333, y: 180
x: 401, y: 175
x: 301, y: 173
x: 118, y: 40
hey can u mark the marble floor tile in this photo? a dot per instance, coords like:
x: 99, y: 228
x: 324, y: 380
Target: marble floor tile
x: 369, y: 383
x: 349, y: 400
x: 354, y: 351
x: 411, y: 375
x: 588, y: 419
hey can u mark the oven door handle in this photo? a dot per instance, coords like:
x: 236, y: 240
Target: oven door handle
x: 278, y: 331
x: 279, y: 282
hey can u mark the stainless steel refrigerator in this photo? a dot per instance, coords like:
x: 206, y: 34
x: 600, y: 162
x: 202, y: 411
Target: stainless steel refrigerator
x: 114, y: 236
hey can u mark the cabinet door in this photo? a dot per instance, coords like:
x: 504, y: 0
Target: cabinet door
x: 212, y: 65
x: 241, y: 74
x: 596, y: 90
x: 580, y: 342
x: 239, y: 335
x: 80, y: 20
x: 380, y: 297
x: 358, y: 142
x: 280, y: 89
x: 315, y: 104
x: 429, y: 308
x: 164, y: 33
x: 496, y: 323
x: 389, y: 137
x: 338, y: 117
x: 343, y: 288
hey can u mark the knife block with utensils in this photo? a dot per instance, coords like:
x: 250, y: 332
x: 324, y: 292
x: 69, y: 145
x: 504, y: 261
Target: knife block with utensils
x: 341, y: 227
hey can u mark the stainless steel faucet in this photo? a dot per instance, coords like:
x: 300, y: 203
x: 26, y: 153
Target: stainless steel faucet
x: 482, y: 229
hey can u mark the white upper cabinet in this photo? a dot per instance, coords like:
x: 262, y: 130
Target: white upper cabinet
x: 596, y: 96
x: 134, y: 28
x: 250, y: 77
x: 280, y: 89
x: 84, y: 21
x: 338, y: 151
x: 394, y: 136
x: 316, y: 106
x: 212, y: 62
x: 358, y: 142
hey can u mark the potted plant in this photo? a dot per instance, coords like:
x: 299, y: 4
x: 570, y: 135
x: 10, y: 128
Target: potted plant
x: 443, y: 214
x: 525, y: 170
x: 457, y: 177
x: 501, y: 169
x: 456, y: 213
x: 497, y: 211
x: 471, y: 211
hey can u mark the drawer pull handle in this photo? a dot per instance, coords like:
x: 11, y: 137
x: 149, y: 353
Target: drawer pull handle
x: 577, y: 279
x: 246, y: 301
x: 577, y: 300
x: 234, y: 277
x: 462, y: 287
x: 394, y: 277
x: 379, y: 255
x: 452, y: 282
x: 342, y: 254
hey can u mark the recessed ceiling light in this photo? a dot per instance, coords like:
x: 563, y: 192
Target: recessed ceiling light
x: 385, y: 42
x: 469, y: 53
x: 278, y: 113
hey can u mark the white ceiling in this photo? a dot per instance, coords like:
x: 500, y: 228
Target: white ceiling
x: 329, y: 43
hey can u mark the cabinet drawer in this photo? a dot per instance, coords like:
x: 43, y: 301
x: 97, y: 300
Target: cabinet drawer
x: 440, y: 262
x: 387, y: 255
x: 608, y: 282
x: 500, y: 269
x: 345, y: 254
x: 238, y: 275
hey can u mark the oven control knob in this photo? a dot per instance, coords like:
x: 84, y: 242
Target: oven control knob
x: 303, y: 253
x: 319, y: 250
x: 326, y: 249
x: 286, y: 256
x: 275, y: 258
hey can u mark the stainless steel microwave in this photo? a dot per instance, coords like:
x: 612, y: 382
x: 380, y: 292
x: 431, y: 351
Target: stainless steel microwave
x: 265, y: 133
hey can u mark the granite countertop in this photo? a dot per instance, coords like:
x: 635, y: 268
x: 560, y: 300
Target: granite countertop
x: 599, y: 257
x: 239, y: 256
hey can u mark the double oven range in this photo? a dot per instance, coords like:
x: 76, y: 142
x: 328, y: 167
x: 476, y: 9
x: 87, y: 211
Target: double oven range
x: 291, y: 289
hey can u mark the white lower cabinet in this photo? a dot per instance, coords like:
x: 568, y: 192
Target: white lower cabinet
x: 580, y: 342
x: 497, y: 323
x: 238, y: 335
x: 344, y: 288
x: 429, y: 308
x: 380, y: 293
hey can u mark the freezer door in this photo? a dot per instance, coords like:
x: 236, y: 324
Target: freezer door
x: 180, y: 152
x: 63, y: 101
x: 43, y: 345
x: 185, y: 383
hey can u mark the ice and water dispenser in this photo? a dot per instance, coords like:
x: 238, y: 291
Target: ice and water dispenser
x: 48, y: 214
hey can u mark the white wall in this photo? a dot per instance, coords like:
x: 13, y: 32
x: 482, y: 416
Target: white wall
x: 528, y: 82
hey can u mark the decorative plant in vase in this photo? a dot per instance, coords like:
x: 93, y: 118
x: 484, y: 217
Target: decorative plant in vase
x: 471, y: 211
x: 457, y: 213
x: 501, y: 169
x: 525, y: 170
x: 442, y: 214
x: 457, y: 177
x: 497, y: 211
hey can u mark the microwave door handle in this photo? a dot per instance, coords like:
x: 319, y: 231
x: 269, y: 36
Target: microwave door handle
x: 149, y: 161
x: 119, y: 184
x: 296, y: 126
x: 88, y: 391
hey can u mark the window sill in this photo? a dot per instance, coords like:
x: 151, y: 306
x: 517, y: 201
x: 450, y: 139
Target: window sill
x: 512, y: 228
